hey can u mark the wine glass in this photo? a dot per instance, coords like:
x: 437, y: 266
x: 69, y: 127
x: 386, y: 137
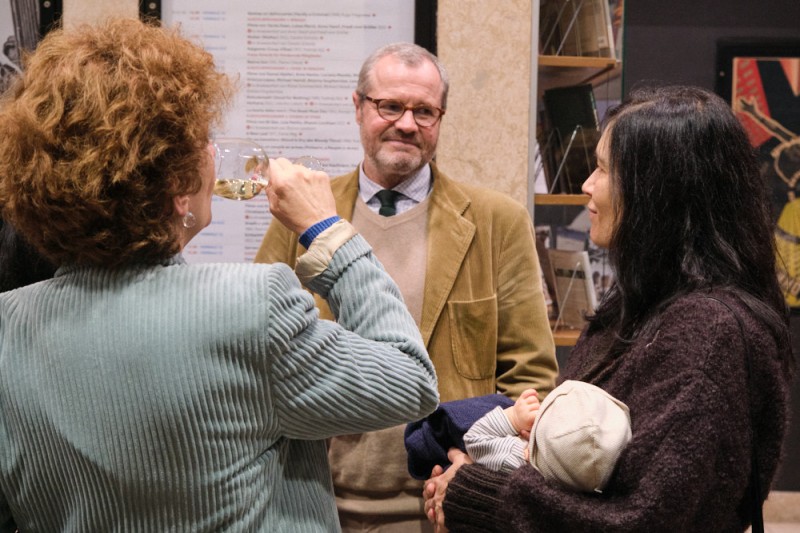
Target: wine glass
x: 308, y: 161
x: 242, y: 168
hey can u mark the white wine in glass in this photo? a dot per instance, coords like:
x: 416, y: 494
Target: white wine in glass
x: 242, y: 168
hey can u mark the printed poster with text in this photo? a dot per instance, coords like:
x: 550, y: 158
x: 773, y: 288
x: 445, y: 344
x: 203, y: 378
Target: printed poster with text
x: 297, y: 66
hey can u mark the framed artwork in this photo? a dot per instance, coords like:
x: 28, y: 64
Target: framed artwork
x: 761, y: 80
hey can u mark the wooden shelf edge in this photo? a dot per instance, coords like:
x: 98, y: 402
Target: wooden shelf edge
x: 578, y: 62
x: 566, y: 337
x: 560, y: 199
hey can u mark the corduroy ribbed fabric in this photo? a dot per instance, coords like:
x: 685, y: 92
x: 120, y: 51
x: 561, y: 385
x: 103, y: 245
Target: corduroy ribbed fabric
x: 196, y: 397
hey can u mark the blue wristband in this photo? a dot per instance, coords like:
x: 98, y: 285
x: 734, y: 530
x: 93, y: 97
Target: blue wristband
x: 311, y: 233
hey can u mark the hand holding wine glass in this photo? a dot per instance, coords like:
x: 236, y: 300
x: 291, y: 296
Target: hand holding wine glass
x: 299, y: 197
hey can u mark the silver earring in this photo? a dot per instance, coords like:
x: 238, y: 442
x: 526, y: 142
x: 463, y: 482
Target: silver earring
x: 189, y: 220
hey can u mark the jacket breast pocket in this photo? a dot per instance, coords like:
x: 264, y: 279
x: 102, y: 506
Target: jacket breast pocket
x: 473, y: 334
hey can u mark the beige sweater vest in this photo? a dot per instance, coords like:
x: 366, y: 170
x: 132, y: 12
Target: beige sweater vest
x: 370, y: 470
x: 400, y: 243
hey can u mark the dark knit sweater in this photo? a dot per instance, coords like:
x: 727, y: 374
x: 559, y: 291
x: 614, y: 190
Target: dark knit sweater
x: 20, y: 264
x: 687, y: 467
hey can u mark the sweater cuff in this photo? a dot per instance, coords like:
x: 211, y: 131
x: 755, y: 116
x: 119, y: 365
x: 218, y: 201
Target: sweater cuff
x: 311, y: 233
x: 314, y: 262
x: 472, y: 500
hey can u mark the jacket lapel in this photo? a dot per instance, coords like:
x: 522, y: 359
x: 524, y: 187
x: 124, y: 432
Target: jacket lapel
x: 449, y: 237
x: 345, y: 190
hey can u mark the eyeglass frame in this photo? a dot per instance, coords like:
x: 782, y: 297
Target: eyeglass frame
x: 412, y: 108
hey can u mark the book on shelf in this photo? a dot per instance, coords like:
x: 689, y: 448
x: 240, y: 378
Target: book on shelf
x: 550, y: 32
x: 570, y: 239
x: 576, y: 28
x: 570, y: 106
x: 568, y: 162
x: 574, y: 288
x: 566, y: 241
x: 602, y: 275
x: 568, y: 137
x: 548, y: 282
x: 575, y: 237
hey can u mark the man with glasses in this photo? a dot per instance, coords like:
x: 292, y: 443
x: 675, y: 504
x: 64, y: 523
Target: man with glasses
x: 464, y: 259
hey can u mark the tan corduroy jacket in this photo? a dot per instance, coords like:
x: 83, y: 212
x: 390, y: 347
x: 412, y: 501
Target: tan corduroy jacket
x: 484, y: 320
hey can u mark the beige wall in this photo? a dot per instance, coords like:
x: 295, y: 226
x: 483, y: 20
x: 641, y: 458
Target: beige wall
x: 486, y: 47
x: 77, y: 11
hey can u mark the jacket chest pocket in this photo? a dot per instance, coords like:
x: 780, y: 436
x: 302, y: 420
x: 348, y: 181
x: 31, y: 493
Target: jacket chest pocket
x: 473, y: 335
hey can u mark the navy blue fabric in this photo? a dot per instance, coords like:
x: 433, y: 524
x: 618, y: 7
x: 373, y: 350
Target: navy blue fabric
x: 428, y: 440
x: 311, y: 233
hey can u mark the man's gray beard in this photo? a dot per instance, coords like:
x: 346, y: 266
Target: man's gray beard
x: 399, y: 166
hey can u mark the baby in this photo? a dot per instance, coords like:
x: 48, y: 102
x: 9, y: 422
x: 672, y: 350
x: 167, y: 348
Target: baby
x: 574, y: 437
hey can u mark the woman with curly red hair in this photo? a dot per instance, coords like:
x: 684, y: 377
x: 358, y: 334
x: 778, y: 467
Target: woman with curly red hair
x: 138, y: 392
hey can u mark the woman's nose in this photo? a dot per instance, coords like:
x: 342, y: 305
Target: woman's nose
x: 588, y: 185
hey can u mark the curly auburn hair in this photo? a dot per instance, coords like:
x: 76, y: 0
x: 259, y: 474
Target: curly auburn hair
x: 104, y: 128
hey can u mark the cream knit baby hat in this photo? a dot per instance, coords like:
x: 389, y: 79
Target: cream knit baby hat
x: 579, y: 433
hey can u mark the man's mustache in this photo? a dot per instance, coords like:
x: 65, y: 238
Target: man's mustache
x: 410, y: 138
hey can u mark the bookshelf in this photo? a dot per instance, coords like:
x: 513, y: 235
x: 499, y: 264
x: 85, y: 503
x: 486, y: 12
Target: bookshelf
x: 559, y: 66
x: 560, y: 199
x: 579, y: 45
x: 602, y: 64
x: 557, y: 71
x: 565, y: 336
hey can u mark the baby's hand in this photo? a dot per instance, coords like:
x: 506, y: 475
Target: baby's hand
x: 523, y: 413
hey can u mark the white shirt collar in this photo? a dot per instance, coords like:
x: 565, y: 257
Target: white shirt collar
x: 416, y: 187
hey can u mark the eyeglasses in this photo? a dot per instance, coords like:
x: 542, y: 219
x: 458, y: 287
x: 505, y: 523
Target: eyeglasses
x: 392, y: 110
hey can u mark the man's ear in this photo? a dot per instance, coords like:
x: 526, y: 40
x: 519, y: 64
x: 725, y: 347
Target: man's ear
x: 357, y: 103
x: 181, y: 204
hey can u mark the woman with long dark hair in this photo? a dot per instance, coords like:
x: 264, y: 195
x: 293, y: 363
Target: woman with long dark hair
x: 692, y: 337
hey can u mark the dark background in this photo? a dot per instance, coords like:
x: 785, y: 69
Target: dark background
x: 675, y: 41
